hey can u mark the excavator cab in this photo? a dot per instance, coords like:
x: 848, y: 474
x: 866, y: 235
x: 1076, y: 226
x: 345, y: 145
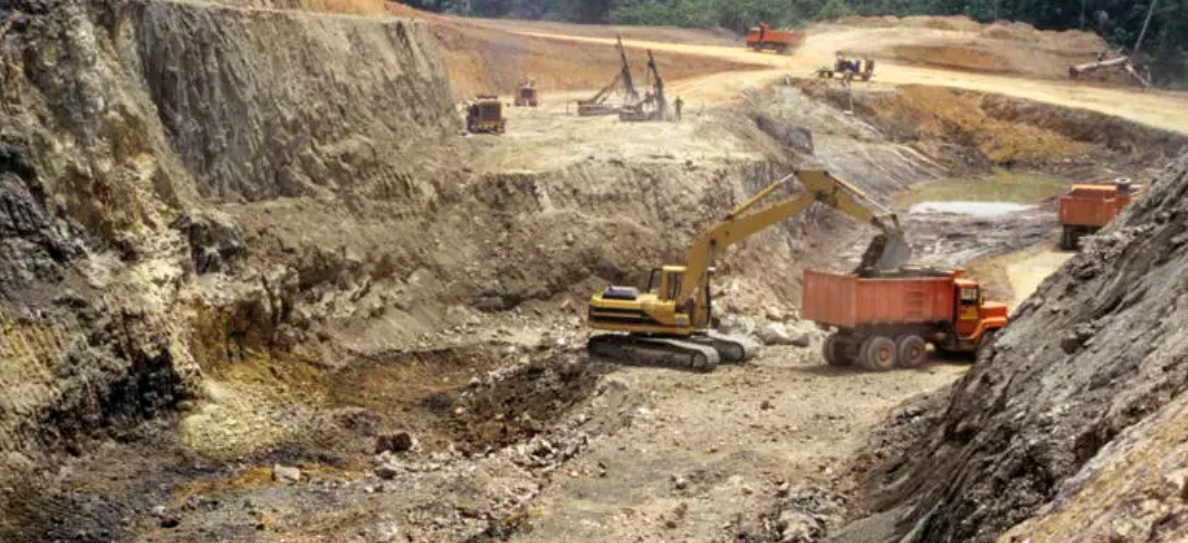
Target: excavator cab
x: 667, y: 281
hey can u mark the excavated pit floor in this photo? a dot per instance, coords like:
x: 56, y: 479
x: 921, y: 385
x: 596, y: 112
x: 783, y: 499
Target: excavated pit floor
x: 467, y: 409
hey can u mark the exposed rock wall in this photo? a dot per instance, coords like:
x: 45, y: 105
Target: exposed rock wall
x: 261, y: 104
x: 1076, y: 415
x: 125, y: 123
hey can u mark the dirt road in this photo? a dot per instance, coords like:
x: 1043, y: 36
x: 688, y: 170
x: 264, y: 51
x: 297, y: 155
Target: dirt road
x: 1166, y: 110
x: 709, y: 449
x: 1026, y: 274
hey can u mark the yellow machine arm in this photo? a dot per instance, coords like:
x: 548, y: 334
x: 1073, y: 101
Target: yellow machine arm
x: 821, y: 186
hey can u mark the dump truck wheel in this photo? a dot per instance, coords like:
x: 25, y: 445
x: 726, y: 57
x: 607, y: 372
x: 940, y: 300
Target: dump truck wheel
x: 834, y: 351
x: 1068, y: 239
x: 878, y: 354
x: 912, y: 351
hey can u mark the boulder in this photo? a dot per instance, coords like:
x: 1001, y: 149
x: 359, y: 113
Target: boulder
x: 398, y: 442
x: 285, y: 474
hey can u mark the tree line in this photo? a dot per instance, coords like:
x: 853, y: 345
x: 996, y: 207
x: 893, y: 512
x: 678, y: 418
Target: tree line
x: 1163, y: 46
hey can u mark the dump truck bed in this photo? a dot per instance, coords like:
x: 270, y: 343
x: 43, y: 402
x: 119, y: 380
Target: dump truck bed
x: 1094, y: 204
x: 1088, y: 211
x: 775, y: 37
x: 850, y: 301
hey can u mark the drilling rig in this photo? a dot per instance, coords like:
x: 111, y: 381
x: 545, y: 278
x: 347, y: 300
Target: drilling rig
x: 654, y: 106
x: 597, y: 104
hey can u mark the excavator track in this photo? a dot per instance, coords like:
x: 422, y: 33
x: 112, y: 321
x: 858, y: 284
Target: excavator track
x: 730, y: 350
x: 664, y: 352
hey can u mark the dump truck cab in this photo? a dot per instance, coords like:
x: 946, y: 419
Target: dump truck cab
x: 1087, y: 207
x: 485, y: 115
x: 973, y: 316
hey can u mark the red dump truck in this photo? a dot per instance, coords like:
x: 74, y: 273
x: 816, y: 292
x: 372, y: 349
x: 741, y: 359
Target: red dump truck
x: 1087, y: 207
x: 886, y: 322
x: 762, y: 38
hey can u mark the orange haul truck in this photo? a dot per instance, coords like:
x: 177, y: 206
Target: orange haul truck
x: 763, y: 37
x: 887, y: 321
x: 1087, y: 207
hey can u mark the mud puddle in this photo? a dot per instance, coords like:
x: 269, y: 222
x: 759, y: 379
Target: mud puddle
x: 981, y: 210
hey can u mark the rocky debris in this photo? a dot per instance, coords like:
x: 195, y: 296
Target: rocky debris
x: 796, y: 527
x: 387, y: 472
x: 803, y: 515
x: 543, y: 456
x: 1075, y: 338
x: 34, y: 247
x: 673, y: 518
x: 396, y: 443
x: 788, y: 134
x: 518, y: 401
x: 215, y: 242
x: 794, y: 333
x: 286, y: 474
x: 1066, y: 380
x: 165, y: 517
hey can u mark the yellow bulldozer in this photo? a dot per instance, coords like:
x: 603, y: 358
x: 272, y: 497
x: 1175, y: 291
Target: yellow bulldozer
x: 670, y: 322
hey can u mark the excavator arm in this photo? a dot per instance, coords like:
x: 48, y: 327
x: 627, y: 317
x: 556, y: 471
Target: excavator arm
x: 820, y: 186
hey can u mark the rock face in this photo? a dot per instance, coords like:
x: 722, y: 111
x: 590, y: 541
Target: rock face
x: 1075, y: 420
x: 356, y: 96
x: 125, y: 125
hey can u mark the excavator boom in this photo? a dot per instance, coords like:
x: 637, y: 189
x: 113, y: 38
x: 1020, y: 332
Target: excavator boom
x: 671, y: 323
x: 821, y: 186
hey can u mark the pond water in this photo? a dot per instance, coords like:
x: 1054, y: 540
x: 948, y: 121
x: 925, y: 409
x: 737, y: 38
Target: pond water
x: 975, y: 209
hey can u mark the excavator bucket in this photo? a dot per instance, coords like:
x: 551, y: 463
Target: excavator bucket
x: 896, y: 253
x: 886, y: 251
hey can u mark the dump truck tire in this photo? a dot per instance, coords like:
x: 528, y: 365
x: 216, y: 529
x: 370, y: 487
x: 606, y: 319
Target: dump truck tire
x: 834, y: 351
x: 912, y: 351
x: 1068, y: 239
x: 878, y: 354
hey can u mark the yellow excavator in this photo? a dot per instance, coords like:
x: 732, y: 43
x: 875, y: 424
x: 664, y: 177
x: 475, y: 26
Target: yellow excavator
x: 670, y: 323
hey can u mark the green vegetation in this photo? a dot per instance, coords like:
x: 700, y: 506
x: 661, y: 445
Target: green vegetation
x: 1164, y: 47
x: 1003, y: 186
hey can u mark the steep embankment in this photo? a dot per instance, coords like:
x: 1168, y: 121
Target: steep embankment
x: 1076, y: 419
x: 125, y: 123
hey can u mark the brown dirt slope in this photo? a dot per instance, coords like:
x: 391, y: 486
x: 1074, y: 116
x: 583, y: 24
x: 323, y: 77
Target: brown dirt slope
x: 483, y: 58
x: 1075, y: 418
x: 491, y: 56
x: 1005, y: 131
x: 963, y: 44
